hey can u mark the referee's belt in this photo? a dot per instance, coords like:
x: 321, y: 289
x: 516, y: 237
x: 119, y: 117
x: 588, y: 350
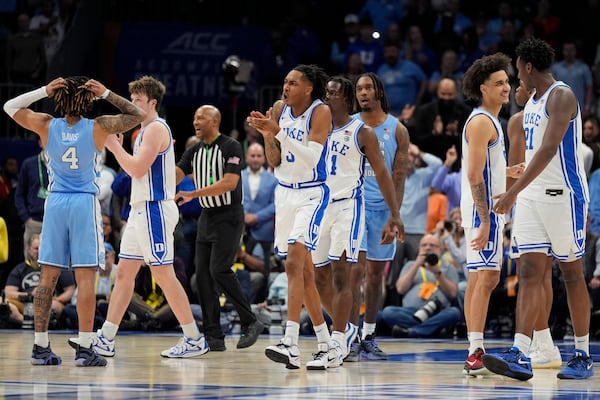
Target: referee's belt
x: 301, y: 185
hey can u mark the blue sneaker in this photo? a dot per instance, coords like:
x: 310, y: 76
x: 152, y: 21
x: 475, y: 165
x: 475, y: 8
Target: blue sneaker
x: 371, y: 351
x: 512, y: 363
x: 578, y: 367
x: 353, y: 352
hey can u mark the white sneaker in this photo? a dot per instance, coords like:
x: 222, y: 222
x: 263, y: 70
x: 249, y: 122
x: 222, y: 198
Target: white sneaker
x: 284, y: 352
x: 325, y: 357
x: 187, y: 347
x: 101, y: 345
x: 350, y: 334
x: 545, y: 357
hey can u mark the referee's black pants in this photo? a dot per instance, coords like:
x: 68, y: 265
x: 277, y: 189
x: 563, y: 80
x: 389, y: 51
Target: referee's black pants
x: 217, y: 241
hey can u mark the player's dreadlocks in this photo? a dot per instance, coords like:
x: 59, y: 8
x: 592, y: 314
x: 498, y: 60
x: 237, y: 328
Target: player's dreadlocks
x: 74, y: 99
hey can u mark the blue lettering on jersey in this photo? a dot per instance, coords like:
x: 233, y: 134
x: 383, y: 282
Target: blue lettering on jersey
x: 290, y: 157
x: 531, y: 119
x: 339, y: 147
x: 295, y: 133
x: 69, y: 137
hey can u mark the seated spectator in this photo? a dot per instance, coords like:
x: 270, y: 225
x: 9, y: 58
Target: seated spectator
x: 149, y: 309
x: 249, y: 269
x: 428, y: 285
x: 454, y: 249
x: 24, y: 279
x: 278, y: 293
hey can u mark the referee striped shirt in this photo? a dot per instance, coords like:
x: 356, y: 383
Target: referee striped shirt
x: 210, y: 163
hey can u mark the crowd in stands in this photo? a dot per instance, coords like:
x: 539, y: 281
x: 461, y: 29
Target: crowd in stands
x: 420, y: 49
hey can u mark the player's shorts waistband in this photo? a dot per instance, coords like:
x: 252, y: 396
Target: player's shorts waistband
x: 301, y: 185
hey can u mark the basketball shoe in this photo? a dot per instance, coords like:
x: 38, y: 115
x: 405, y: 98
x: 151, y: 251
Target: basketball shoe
x: 579, y: 367
x: 512, y: 363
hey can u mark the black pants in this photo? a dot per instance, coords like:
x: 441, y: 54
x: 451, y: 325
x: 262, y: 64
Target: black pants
x: 217, y: 241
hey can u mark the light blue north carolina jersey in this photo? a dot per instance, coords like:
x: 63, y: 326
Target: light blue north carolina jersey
x: 565, y: 171
x: 386, y: 135
x: 494, y: 172
x: 73, y: 161
x: 297, y: 129
x: 345, y: 162
x: 159, y: 182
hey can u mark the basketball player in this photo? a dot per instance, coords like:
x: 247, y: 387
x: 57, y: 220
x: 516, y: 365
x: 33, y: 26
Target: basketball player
x: 72, y: 228
x: 148, y: 235
x: 543, y: 352
x: 350, y: 144
x: 551, y: 212
x: 483, y: 174
x: 295, y: 130
x: 393, y: 142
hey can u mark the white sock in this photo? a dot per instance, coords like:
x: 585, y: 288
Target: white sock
x: 339, y: 339
x: 85, y: 339
x: 583, y: 343
x: 109, y: 330
x: 292, y: 331
x: 475, y: 341
x: 191, y: 330
x: 522, y: 342
x: 41, y: 339
x: 322, y: 333
x: 368, y: 329
x: 542, y: 338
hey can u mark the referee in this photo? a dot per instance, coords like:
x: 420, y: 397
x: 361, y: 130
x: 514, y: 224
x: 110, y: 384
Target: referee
x: 216, y: 163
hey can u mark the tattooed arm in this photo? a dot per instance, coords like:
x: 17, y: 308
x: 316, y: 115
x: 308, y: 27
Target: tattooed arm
x: 130, y: 116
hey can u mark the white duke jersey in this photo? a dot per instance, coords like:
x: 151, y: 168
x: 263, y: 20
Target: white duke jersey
x: 565, y: 171
x: 386, y: 136
x: 159, y: 182
x: 74, y: 163
x: 494, y: 172
x: 296, y: 129
x: 345, y: 162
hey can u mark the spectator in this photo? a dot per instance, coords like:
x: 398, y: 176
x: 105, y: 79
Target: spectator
x: 448, y: 182
x: 382, y: 13
x: 259, y: 209
x: 404, y: 81
x: 415, y: 49
x: 591, y: 137
x: 436, y: 126
x: 368, y: 46
x: 31, y: 194
x: 337, y: 54
x: 25, y: 56
x: 576, y: 74
x: 428, y: 286
x: 24, y: 279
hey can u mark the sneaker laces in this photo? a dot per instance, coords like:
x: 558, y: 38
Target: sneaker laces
x: 578, y: 362
x: 179, y: 347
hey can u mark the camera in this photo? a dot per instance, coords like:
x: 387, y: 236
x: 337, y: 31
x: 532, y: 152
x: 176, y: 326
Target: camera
x: 449, y: 226
x: 431, y: 259
x: 430, y: 308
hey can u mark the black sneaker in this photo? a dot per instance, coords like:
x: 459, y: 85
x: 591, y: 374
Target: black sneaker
x: 250, y: 334
x: 44, y: 356
x: 85, y: 357
x: 215, y: 344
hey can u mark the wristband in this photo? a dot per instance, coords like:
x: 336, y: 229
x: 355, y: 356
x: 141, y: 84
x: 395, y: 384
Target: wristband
x: 105, y: 94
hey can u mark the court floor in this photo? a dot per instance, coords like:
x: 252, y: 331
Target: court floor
x: 417, y: 369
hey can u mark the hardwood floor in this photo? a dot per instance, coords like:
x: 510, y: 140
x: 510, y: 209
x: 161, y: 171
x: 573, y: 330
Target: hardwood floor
x: 416, y: 369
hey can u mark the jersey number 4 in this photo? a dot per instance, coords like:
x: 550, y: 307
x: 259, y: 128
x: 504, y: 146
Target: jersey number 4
x: 70, y: 157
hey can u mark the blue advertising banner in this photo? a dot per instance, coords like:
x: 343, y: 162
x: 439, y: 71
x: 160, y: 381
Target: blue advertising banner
x: 187, y: 58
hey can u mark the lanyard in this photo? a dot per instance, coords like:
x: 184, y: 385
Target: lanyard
x: 43, y: 191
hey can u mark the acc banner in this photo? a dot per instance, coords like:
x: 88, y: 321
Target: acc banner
x: 186, y: 58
